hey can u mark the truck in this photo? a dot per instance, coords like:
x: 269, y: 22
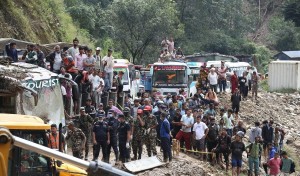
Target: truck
x: 131, y: 77
x: 24, y: 152
x: 32, y: 90
x: 169, y: 77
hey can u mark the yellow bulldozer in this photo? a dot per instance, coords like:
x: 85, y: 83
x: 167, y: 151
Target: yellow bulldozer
x: 24, y: 152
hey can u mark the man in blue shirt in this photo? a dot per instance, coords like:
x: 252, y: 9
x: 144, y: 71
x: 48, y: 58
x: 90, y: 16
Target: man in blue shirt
x: 165, y: 137
x: 11, y: 51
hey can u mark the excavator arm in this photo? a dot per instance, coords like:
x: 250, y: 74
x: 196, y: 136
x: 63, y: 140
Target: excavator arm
x: 7, y: 141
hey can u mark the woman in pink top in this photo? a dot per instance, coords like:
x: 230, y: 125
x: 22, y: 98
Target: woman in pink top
x: 274, y: 165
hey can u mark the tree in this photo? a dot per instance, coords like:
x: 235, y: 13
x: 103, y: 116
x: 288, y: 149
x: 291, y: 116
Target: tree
x: 292, y: 11
x: 138, y: 24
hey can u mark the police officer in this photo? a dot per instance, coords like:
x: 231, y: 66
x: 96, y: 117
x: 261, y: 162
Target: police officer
x: 113, y: 124
x: 150, y: 136
x: 138, y: 134
x: 78, y: 140
x: 85, y: 124
x: 100, y: 138
x: 124, y: 133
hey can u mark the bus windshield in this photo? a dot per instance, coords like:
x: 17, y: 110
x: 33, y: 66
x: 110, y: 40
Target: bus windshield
x: 239, y: 70
x: 169, y: 77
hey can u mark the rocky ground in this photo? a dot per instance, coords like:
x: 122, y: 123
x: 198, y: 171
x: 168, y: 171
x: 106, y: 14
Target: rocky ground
x: 283, y: 108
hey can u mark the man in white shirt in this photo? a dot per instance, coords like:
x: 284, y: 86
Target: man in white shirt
x: 108, y: 63
x: 200, y: 132
x: 57, y: 60
x: 97, y: 85
x: 79, y: 58
x: 187, y: 121
x: 213, y: 79
x: 74, y: 50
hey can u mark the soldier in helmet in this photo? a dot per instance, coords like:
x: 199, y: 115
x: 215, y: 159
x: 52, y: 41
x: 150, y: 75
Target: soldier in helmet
x: 150, y: 136
x: 85, y: 124
x: 78, y: 140
x: 124, y: 133
x: 138, y: 134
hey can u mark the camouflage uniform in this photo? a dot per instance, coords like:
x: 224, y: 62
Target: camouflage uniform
x: 137, y: 141
x: 150, y: 138
x: 85, y: 124
x: 76, y: 136
x: 129, y: 120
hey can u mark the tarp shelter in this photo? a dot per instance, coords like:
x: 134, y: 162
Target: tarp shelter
x: 48, y: 48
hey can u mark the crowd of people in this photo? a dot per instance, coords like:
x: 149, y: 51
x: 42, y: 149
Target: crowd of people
x: 199, y: 123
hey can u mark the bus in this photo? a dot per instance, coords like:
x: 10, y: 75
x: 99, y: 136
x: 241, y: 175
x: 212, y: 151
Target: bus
x: 131, y: 77
x: 170, y: 77
x: 31, y: 90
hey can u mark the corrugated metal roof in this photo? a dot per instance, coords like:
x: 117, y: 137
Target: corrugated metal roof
x: 292, y: 54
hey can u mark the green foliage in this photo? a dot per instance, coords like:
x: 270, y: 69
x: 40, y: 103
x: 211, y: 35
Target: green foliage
x: 263, y: 55
x: 264, y: 85
x: 138, y: 24
x: 284, y: 35
x: 291, y: 11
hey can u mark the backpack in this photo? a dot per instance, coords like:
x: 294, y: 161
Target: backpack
x: 293, y: 166
x: 213, y: 132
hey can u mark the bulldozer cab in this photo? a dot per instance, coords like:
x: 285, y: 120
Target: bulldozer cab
x: 22, y: 162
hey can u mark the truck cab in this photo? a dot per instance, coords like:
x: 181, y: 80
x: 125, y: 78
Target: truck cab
x: 22, y: 162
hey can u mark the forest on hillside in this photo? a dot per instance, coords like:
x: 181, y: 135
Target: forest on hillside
x: 135, y: 28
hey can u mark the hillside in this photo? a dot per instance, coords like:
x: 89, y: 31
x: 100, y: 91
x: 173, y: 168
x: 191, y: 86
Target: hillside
x: 40, y: 21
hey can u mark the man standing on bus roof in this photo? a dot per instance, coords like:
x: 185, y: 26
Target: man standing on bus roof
x: 108, y: 64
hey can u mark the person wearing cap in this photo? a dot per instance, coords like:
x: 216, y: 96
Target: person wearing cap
x: 150, y: 132
x: 100, y: 109
x: 113, y: 124
x: 239, y: 127
x: 89, y: 62
x: 98, y: 58
x: 213, y: 79
x: 237, y: 148
x: 101, y: 138
x: 85, y: 123
x: 108, y: 64
x: 78, y: 140
x: 124, y: 133
x: 138, y: 134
